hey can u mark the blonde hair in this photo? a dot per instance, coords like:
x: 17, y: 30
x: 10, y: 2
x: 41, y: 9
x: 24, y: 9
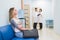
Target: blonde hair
x: 10, y: 13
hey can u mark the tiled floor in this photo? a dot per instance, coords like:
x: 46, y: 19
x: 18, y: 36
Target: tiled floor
x: 48, y: 34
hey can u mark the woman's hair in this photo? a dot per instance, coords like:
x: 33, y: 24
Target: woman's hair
x: 35, y: 9
x: 40, y: 9
x: 10, y: 13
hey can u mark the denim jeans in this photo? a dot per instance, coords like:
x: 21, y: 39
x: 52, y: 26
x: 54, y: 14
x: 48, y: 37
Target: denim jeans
x: 19, y: 34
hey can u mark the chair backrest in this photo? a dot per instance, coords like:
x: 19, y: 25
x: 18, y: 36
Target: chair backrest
x: 49, y: 22
x: 7, y: 32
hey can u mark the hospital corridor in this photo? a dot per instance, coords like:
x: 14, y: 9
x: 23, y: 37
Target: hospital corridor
x: 29, y: 19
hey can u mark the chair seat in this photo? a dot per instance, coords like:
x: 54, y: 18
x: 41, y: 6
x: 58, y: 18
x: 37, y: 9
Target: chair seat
x: 23, y: 38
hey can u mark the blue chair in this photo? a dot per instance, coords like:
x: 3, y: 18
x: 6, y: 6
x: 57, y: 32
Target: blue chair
x: 7, y: 33
x: 49, y: 23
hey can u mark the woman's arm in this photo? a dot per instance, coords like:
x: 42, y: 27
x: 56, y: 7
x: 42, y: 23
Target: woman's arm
x: 17, y: 25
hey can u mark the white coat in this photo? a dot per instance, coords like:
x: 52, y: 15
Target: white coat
x: 37, y: 19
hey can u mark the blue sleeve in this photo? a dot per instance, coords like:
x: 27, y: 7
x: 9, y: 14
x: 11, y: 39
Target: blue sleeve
x: 13, y: 23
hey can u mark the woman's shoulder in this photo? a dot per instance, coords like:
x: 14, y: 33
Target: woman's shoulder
x: 13, y: 19
x: 16, y: 19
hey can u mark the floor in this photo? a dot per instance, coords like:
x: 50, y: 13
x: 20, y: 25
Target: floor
x: 48, y: 34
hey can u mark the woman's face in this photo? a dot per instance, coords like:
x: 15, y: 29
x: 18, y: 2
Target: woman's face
x: 15, y: 12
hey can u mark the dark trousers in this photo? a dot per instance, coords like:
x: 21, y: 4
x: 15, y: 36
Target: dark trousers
x: 41, y: 25
x: 35, y: 25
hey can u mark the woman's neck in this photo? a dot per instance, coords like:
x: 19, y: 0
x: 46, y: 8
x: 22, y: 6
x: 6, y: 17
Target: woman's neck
x: 14, y: 17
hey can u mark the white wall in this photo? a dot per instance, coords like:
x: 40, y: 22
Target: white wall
x: 57, y: 16
x: 4, y: 7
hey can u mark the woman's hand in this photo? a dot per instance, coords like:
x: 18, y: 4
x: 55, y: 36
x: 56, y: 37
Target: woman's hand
x: 20, y: 27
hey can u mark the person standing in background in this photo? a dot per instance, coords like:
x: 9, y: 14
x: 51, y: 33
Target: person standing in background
x: 35, y: 18
x: 40, y: 18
